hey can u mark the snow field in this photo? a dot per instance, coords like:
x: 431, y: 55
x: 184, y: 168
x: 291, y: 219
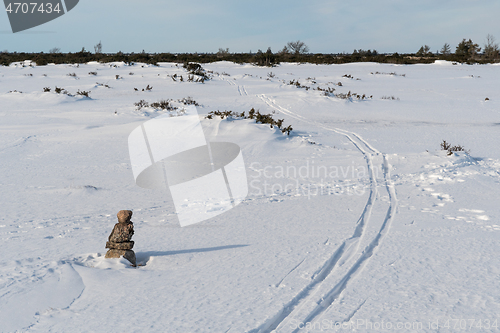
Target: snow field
x: 394, y: 230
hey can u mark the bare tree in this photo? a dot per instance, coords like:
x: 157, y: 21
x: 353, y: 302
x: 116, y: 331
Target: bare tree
x: 222, y: 52
x: 491, y: 49
x: 98, y: 48
x: 297, y: 47
x: 446, y: 50
x: 55, y: 50
x: 284, y: 51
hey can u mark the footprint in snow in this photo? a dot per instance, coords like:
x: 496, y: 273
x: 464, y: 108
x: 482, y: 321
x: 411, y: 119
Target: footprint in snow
x: 474, y: 216
x: 442, y: 197
x: 32, y: 288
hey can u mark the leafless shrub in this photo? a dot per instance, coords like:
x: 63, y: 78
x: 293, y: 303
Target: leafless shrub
x: 83, y: 93
x: 141, y: 104
x: 252, y: 114
x: 297, y: 84
x: 102, y: 85
x: 162, y: 104
x: 392, y: 73
x: 98, y: 48
x: 352, y: 96
x: 328, y: 91
x: 448, y: 147
x: 188, y: 101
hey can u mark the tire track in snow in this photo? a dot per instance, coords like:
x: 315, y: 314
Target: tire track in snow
x: 349, y: 247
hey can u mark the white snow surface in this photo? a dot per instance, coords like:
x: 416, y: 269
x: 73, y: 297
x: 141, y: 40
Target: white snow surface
x: 355, y: 222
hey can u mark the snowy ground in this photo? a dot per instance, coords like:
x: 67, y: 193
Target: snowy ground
x: 394, y: 236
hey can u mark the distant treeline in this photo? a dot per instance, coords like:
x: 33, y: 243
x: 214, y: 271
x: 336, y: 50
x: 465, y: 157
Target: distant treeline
x: 259, y: 58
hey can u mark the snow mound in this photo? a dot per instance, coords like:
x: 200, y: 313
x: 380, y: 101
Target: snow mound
x: 97, y: 260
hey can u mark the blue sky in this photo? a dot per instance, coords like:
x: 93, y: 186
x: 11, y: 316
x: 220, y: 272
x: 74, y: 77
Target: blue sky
x: 242, y: 26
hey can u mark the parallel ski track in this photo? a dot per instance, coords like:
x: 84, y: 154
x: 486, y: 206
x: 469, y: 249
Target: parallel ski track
x: 349, y: 248
x: 244, y: 90
x: 241, y: 89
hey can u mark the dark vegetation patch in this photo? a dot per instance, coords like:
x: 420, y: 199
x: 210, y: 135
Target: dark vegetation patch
x: 448, y: 147
x: 165, y: 104
x: 59, y: 90
x: 392, y: 74
x: 352, y: 96
x: 83, y: 93
x: 195, y: 69
x: 466, y: 53
x: 252, y: 114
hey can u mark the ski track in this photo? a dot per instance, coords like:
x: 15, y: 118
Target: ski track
x: 244, y: 90
x: 350, y: 248
x: 241, y: 89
